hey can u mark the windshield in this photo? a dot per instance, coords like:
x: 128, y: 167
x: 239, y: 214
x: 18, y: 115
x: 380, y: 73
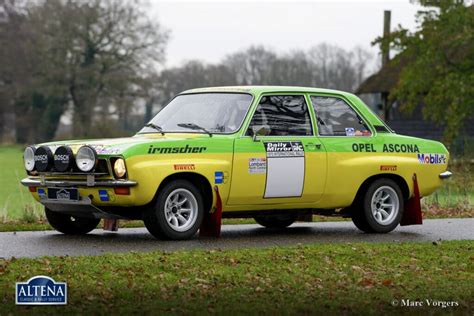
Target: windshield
x: 211, y: 112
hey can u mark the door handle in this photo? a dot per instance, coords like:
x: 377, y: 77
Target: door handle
x: 313, y: 146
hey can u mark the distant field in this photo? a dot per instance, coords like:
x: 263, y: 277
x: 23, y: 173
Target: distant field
x: 457, y: 195
x: 15, y: 199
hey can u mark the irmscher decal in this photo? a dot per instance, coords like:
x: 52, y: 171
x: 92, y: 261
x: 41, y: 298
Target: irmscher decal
x: 388, y: 168
x: 184, y: 167
x: 387, y: 148
x: 432, y: 159
x: 257, y: 165
x: 176, y: 150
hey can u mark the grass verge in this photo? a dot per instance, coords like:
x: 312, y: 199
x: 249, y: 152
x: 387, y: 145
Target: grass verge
x: 340, y: 278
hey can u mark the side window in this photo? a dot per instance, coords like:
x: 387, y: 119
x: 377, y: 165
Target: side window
x: 336, y: 118
x: 281, y: 115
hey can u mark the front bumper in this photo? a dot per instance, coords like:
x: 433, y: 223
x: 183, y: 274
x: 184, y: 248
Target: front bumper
x: 445, y: 175
x: 90, y: 182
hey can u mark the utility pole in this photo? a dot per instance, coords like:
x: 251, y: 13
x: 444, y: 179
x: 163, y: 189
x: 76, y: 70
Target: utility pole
x: 385, y: 59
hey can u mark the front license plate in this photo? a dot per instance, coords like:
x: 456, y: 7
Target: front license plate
x: 61, y: 194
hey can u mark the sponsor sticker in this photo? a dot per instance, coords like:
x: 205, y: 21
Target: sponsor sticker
x: 284, y: 149
x: 219, y: 177
x: 176, y: 150
x: 257, y: 165
x: 102, y: 150
x: 41, y: 290
x: 104, y: 195
x: 184, y: 167
x: 42, y: 193
x: 388, y: 168
x: 350, y: 131
x: 432, y: 159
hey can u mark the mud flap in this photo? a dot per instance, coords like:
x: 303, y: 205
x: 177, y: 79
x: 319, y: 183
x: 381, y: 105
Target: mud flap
x: 110, y: 224
x: 412, y: 213
x: 211, y: 224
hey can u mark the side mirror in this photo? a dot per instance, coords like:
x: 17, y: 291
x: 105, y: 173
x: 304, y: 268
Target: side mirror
x: 262, y: 131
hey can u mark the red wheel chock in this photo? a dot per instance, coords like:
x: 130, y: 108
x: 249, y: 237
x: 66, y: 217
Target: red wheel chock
x: 211, y: 224
x: 412, y: 213
x: 110, y: 224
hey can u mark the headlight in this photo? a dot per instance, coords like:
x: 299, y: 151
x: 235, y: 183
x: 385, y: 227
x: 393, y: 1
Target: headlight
x: 86, y: 158
x: 29, y: 158
x: 119, y: 168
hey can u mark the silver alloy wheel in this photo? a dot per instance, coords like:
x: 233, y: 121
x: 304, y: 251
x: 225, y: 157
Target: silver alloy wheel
x: 181, y: 210
x: 385, y: 205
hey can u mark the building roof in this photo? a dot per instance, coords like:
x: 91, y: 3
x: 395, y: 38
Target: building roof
x: 386, y: 78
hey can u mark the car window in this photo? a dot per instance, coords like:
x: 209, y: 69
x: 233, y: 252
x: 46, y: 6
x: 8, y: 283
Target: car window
x: 281, y: 115
x: 336, y: 118
x: 215, y: 112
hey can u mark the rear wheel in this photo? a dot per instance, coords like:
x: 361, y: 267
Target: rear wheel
x: 380, y: 209
x: 276, y: 221
x: 71, y: 225
x: 177, y: 213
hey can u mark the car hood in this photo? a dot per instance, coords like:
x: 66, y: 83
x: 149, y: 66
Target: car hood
x: 117, y: 146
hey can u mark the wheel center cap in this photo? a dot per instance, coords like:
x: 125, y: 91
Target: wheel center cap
x: 174, y: 209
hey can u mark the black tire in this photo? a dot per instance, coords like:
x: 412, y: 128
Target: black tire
x: 155, y: 218
x: 71, y: 225
x: 363, y: 215
x: 276, y: 221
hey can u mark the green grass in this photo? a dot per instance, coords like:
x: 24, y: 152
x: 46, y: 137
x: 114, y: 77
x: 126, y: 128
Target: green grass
x: 15, y: 200
x: 357, y: 278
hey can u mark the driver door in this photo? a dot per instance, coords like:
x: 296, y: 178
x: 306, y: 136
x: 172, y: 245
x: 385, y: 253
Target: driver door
x: 279, y: 159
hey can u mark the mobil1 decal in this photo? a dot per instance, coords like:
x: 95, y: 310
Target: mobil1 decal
x: 285, y: 169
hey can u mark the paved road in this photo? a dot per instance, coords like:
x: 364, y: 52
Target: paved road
x: 51, y: 243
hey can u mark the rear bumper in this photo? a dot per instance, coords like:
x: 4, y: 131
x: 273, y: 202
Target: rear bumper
x: 445, y: 175
x: 77, y: 183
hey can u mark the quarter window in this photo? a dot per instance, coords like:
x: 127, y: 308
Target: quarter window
x: 336, y: 118
x: 281, y: 115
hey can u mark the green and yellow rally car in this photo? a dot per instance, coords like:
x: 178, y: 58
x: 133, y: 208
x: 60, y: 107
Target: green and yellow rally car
x: 276, y: 154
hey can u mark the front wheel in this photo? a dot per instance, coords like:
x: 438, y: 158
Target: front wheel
x: 275, y: 221
x: 381, y: 208
x: 71, y: 225
x: 177, y: 213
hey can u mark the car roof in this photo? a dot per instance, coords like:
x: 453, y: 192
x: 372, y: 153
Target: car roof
x: 263, y: 89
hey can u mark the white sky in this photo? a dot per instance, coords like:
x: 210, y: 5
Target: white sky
x: 209, y: 30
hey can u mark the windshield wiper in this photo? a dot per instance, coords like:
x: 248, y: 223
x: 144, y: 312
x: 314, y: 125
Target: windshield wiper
x: 195, y: 127
x: 154, y: 126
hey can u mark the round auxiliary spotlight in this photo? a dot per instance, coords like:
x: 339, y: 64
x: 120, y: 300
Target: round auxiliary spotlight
x: 43, y: 159
x: 63, y: 159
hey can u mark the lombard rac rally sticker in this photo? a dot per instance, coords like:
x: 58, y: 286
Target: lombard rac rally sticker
x: 41, y: 290
x: 257, y: 165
